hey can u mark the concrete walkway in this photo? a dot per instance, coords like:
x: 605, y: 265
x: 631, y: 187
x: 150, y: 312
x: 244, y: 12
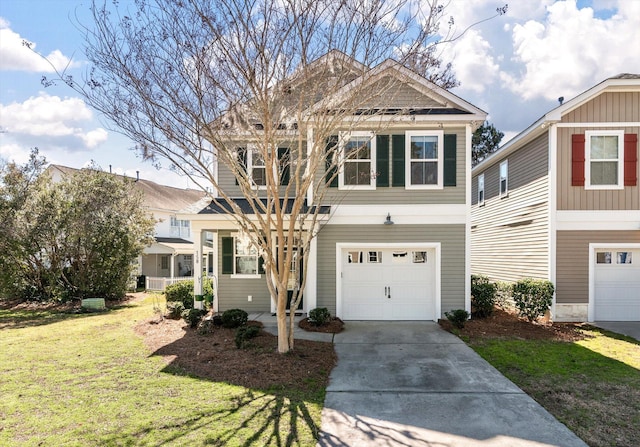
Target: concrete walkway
x: 414, y: 384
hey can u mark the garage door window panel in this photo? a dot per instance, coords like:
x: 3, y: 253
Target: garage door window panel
x: 624, y: 257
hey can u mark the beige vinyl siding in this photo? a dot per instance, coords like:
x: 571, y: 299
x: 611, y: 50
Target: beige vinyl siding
x: 452, y: 238
x: 400, y: 195
x: 572, y: 260
x: 607, y: 107
x: 397, y: 95
x: 233, y: 292
x: 579, y: 198
x: 510, y: 235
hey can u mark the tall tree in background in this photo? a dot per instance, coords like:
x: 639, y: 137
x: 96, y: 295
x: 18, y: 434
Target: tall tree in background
x: 72, y: 239
x: 190, y: 81
x: 485, y: 141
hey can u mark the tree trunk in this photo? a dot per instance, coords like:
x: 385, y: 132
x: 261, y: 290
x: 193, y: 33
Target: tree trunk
x: 284, y: 345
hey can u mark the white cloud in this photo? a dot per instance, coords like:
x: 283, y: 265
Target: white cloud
x: 13, y: 152
x: 18, y: 57
x: 51, y: 121
x: 572, y: 49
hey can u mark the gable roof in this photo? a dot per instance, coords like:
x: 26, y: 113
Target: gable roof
x: 156, y: 197
x: 619, y: 83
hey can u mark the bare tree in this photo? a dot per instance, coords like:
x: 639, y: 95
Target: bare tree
x: 191, y: 81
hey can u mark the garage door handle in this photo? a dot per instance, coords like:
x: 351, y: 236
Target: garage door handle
x: 387, y: 292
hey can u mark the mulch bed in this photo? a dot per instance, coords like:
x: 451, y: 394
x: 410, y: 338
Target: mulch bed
x: 334, y: 326
x: 214, y: 356
x: 505, y: 324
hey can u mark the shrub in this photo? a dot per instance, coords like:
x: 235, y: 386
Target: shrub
x: 193, y: 316
x: 504, y: 297
x: 244, y: 334
x: 174, y: 310
x: 457, y: 317
x: 180, y: 291
x: 483, y: 295
x: 532, y: 297
x: 206, y: 326
x: 319, y: 316
x: 234, y: 318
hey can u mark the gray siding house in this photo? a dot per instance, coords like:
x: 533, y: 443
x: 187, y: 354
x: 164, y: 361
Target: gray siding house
x: 561, y: 201
x: 394, y: 247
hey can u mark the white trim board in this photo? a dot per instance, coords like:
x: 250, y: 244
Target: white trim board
x: 359, y: 245
x: 616, y: 220
x: 400, y: 214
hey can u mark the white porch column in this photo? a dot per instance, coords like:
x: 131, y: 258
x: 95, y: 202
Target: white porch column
x: 311, y: 286
x: 197, y: 266
x: 172, y: 267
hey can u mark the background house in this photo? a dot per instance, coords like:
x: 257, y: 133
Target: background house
x: 171, y: 255
x: 561, y: 201
x: 393, y: 240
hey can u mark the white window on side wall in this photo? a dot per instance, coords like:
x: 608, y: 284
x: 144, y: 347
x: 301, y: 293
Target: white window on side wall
x: 604, y: 159
x: 481, y: 189
x: 424, y: 155
x: 504, y: 178
x: 245, y: 256
x: 358, y: 151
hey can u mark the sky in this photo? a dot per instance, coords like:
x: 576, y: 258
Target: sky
x: 515, y: 67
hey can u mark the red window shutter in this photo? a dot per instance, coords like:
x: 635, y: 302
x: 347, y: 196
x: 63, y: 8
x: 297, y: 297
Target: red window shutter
x: 630, y: 159
x: 577, y: 160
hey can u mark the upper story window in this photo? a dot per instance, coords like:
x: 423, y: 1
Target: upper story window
x: 604, y: 159
x: 481, y: 189
x: 359, y: 161
x: 424, y: 152
x: 257, y: 169
x: 180, y: 228
x: 504, y: 178
x: 254, y: 164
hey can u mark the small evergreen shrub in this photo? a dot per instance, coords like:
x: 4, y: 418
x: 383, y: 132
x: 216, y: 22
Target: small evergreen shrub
x: 234, y: 318
x: 193, y: 316
x: 319, y: 316
x: 457, y: 317
x: 504, y: 298
x: 244, y: 334
x: 533, y: 297
x: 483, y: 296
x: 180, y: 291
x: 174, y: 310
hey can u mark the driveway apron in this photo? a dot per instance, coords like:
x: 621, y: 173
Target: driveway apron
x: 414, y: 384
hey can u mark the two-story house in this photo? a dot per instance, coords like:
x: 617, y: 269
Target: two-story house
x: 394, y: 239
x: 561, y: 201
x: 171, y: 255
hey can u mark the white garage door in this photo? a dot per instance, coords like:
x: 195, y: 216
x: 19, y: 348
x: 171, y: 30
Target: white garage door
x: 617, y: 284
x: 388, y: 284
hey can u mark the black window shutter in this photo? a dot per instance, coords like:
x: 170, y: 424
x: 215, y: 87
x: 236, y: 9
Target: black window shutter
x: 382, y: 160
x: 450, y: 160
x: 397, y: 160
x: 284, y: 163
x: 242, y: 159
x: 331, y: 168
x: 261, y: 270
x: 227, y: 255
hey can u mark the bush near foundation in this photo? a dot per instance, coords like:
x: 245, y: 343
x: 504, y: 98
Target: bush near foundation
x: 483, y: 296
x: 533, y: 297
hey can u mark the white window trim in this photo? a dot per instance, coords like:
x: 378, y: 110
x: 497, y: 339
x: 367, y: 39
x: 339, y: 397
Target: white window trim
x: 587, y: 152
x: 506, y: 178
x: 440, y: 159
x: 481, y: 177
x: 343, y: 138
x: 244, y: 275
x: 251, y: 148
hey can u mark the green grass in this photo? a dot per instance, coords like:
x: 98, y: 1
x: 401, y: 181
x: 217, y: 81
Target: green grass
x: 80, y: 380
x: 592, y: 386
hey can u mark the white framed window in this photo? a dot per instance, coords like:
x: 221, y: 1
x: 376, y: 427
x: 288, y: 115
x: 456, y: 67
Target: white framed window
x: 180, y: 228
x: 424, y: 154
x: 358, y: 152
x: 603, y: 257
x: 604, y: 157
x: 354, y: 257
x: 375, y: 257
x: 481, y: 189
x: 624, y: 257
x: 419, y: 257
x: 245, y: 256
x: 504, y: 178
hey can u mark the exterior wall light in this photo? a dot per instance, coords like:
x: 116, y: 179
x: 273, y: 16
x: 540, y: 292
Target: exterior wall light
x: 388, y: 221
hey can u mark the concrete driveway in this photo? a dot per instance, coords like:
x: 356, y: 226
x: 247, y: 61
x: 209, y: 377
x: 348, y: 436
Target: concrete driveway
x: 414, y: 384
x: 628, y: 328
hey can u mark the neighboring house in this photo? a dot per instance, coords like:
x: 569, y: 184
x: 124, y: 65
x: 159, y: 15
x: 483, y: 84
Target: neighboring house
x: 171, y: 255
x: 561, y: 201
x: 395, y: 247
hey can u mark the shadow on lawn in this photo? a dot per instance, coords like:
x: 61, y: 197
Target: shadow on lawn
x: 280, y: 387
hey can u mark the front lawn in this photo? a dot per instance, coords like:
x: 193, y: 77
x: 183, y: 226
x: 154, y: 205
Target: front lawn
x: 588, y: 378
x: 89, y: 379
